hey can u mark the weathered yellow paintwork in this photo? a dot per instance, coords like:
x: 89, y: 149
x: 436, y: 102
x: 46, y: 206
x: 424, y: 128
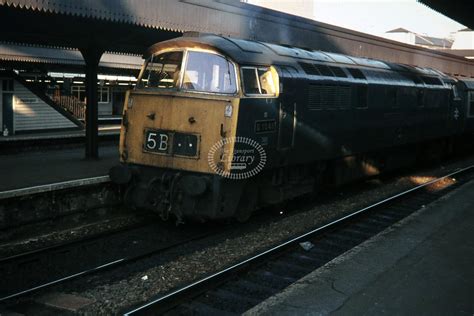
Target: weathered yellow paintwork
x: 172, y: 111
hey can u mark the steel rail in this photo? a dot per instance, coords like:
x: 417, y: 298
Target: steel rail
x: 185, y: 290
x: 56, y: 247
x: 100, y: 267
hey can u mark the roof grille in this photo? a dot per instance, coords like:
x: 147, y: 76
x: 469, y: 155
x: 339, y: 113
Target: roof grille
x: 309, y: 69
x: 324, y: 70
x: 356, y: 73
x: 338, y: 72
x: 431, y: 80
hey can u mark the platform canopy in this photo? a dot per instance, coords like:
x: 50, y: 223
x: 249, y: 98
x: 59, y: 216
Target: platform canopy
x: 461, y: 11
x: 130, y: 26
x: 21, y: 56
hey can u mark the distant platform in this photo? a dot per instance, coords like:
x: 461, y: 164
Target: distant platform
x: 103, y: 130
x: 35, y: 168
x: 55, y: 140
x: 422, y: 265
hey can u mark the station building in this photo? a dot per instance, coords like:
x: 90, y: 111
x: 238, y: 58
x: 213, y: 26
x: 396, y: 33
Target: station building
x: 25, y: 111
x: 43, y: 89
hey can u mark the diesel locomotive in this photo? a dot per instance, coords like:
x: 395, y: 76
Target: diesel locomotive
x: 217, y: 127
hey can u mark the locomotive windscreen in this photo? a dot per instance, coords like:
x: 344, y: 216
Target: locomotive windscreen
x: 207, y: 72
x: 161, y: 71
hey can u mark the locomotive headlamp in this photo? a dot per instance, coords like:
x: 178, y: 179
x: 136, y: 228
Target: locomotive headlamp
x: 228, y: 110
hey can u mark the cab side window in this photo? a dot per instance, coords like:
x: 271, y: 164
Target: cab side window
x: 251, y: 85
x: 260, y: 81
x: 267, y: 82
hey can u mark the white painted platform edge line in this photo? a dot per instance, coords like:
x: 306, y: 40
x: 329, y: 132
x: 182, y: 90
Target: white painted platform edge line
x: 53, y: 187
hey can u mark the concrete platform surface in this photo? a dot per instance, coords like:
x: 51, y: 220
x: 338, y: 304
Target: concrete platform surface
x: 29, y: 169
x: 423, y: 265
x: 103, y: 130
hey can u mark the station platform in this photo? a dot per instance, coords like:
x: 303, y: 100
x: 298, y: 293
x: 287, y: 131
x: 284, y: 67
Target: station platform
x: 55, y: 135
x: 47, y: 165
x: 28, y: 169
x: 423, y: 265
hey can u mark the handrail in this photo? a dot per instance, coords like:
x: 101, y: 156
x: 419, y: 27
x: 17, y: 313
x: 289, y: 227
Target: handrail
x: 71, y: 104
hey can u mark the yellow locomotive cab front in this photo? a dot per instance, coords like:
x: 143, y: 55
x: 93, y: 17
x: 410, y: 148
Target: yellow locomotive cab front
x: 185, y: 102
x: 179, y: 149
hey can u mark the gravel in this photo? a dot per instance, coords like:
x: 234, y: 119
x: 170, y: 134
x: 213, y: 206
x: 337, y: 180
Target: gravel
x: 50, y: 233
x: 118, y: 289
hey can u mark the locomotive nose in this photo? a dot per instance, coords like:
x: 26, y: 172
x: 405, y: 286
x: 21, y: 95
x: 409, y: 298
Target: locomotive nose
x: 193, y: 185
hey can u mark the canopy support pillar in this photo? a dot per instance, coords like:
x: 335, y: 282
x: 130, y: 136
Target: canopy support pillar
x: 92, y: 55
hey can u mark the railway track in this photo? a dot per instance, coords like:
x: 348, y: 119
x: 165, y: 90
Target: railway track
x: 44, y: 263
x: 31, y: 205
x: 34, y: 270
x: 238, y: 288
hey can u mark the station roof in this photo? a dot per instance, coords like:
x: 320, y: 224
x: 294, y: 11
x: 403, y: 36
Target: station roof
x: 125, y: 26
x: 425, y: 40
x: 68, y: 58
x: 130, y: 26
x: 458, y: 10
x: 432, y: 41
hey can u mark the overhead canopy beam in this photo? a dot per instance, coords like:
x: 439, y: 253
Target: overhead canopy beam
x: 132, y: 25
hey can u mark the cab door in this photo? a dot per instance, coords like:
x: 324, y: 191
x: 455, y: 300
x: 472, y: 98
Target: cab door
x: 287, y: 111
x: 457, y: 111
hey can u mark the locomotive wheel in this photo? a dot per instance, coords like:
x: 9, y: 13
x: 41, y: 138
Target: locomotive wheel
x: 128, y: 199
x: 247, y: 203
x: 136, y: 197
